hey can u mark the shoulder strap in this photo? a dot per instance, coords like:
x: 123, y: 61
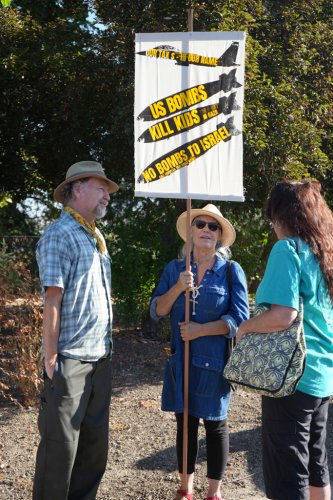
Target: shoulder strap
x: 231, y: 342
x: 296, y: 244
x: 229, y: 277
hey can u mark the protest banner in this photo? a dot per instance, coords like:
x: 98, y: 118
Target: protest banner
x: 189, y: 94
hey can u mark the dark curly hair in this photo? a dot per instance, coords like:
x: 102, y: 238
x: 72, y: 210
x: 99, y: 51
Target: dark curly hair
x: 301, y: 208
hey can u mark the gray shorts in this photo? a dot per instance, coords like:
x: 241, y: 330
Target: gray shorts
x: 294, y: 445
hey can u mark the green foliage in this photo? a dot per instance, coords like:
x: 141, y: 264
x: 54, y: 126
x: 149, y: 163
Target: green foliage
x: 142, y: 239
x: 14, y: 221
x: 14, y: 272
x: 4, y: 200
x: 18, y: 237
x: 8, y: 269
x: 59, y: 94
x: 253, y: 239
x: 68, y: 96
x: 69, y: 86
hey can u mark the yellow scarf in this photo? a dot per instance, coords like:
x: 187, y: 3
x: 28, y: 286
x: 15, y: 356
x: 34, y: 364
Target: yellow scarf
x: 90, y: 227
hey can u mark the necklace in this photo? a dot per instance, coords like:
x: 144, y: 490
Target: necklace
x: 195, y: 295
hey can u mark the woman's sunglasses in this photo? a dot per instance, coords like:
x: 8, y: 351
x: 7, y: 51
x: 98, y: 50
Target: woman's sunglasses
x: 200, y: 224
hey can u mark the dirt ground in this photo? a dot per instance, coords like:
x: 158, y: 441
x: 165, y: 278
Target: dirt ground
x: 142, y: 459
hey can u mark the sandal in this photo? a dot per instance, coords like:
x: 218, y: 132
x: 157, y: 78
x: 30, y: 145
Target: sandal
x: 182, y: 495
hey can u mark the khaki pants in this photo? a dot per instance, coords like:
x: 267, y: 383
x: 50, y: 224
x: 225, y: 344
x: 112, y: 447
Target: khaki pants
x: 73, y: 424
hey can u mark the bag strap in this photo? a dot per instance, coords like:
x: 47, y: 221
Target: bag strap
x: 297, y: 249
x: 229, y: 279
x: 232, y: 342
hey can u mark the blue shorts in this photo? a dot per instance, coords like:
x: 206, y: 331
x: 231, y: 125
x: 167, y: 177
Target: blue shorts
x: 294, y: 445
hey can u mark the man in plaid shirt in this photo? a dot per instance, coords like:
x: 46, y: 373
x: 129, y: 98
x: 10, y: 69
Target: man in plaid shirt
x: 75, y: 274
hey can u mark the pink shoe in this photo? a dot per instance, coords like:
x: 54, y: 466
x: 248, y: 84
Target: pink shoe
x: 182, y: 495
x: 214, y: 498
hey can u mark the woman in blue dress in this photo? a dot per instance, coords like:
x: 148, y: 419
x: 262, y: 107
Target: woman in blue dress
x: 300, y: 264
x: 219, y: 303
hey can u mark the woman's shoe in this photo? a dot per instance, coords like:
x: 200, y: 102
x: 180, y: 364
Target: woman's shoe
x: 182, y: 495
x: 214, y: 498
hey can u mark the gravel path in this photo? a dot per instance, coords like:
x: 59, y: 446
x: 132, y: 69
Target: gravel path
x: 142, y: 460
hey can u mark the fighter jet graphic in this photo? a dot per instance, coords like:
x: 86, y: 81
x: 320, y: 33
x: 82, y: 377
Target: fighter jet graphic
x: 227, y: 59
x: 187, y: 98
x: 189, y: 119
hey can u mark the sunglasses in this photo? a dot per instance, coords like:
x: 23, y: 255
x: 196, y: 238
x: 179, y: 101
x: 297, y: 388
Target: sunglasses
x: 200, y: 224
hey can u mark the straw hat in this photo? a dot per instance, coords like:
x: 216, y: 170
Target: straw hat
x: 81, y: 170
x: 228, y: 232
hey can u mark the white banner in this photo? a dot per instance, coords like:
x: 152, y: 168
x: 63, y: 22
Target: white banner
x: 189, y: 94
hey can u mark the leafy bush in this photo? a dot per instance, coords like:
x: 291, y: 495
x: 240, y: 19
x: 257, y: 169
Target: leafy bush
x: 20, y: 340
x: 141, y: 238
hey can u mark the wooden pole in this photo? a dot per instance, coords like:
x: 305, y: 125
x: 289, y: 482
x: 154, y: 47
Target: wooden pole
x: 186, y: 348
x: 187, y: 314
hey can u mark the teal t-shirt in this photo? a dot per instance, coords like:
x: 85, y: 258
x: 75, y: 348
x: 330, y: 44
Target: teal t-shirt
x: 292, y: 271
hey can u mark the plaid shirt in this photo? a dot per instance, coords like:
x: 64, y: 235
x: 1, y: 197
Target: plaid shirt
x: 68, y: 257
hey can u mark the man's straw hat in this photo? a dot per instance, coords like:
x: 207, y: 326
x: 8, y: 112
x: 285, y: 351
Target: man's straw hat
x: 81, y: 170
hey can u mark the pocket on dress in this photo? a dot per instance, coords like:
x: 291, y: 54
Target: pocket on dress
x: 215, y: 297
x: 205, y: 373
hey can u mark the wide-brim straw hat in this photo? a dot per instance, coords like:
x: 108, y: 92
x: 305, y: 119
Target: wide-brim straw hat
x: 82, y: 170
x: 228, y: 232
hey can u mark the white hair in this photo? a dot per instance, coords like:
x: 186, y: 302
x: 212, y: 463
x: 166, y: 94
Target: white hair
x: 224, y: 252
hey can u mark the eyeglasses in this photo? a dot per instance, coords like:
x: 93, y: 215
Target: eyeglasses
x: 200, y: 224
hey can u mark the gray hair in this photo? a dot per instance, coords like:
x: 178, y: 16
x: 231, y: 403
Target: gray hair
x: 68, y: 189
x: 224, y: 252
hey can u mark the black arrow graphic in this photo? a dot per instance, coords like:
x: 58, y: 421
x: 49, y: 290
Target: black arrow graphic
x: 189, y: 97
x: 187, y: 153
x: 189, y: 119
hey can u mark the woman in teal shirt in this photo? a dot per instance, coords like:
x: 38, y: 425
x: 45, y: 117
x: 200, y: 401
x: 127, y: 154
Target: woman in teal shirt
x: 300, y: 264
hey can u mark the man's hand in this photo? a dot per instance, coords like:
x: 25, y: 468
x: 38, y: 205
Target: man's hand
x: 51, y: 327
x: 49, y: 365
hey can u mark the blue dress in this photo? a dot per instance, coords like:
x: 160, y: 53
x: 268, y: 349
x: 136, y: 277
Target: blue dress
x: 209, y: 392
